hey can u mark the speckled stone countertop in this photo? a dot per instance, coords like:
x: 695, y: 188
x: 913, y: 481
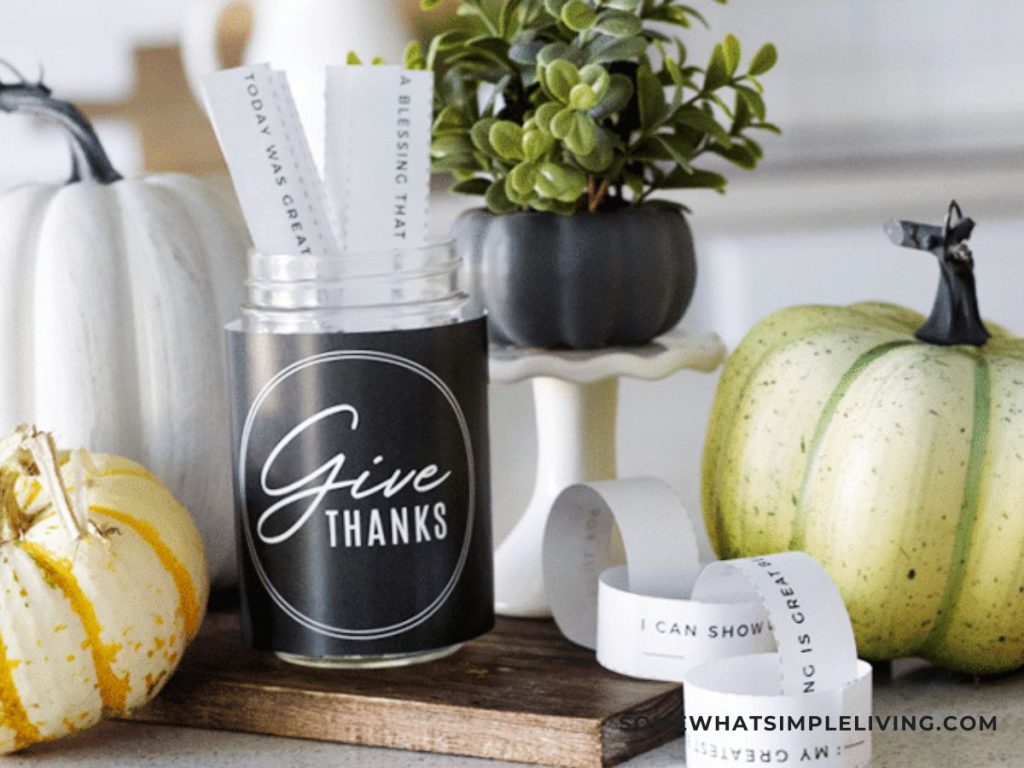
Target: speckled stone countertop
x: 911, y: 689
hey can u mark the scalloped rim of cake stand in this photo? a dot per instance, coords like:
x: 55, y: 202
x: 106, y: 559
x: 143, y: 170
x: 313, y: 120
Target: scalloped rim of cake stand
x: 675, y: 351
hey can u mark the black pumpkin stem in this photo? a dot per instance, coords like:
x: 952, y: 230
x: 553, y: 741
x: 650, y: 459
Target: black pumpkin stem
x: 87, y: 153
x: 955, y: 319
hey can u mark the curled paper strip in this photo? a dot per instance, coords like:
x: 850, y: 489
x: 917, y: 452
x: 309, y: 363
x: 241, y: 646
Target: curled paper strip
x: 639, y: 617
x: 803, y: 704
x: 661, y: 617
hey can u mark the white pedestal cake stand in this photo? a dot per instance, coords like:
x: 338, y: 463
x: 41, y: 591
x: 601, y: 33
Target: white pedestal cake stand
x: 576, y: 395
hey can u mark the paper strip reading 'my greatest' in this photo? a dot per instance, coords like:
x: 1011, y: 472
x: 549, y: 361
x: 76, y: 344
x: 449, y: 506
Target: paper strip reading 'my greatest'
x: 261, y: 136
x: 377, y: 163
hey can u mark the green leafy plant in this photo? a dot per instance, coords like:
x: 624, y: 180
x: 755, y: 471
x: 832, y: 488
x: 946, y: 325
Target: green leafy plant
x: 574, y: 106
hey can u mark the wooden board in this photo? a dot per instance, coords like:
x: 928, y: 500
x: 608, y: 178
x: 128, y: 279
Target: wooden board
x: 522, y: 693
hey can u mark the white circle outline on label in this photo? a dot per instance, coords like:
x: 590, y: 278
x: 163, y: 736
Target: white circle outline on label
x: 341, y: 633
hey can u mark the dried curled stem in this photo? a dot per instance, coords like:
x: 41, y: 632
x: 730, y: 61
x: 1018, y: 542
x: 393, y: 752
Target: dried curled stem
x: 27, y: 450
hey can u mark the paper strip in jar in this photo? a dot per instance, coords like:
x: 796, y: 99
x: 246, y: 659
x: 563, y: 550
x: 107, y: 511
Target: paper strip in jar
x: 377, y: 162
x: 261, y: 136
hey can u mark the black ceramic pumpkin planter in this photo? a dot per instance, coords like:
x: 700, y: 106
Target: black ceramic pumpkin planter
x: 617, y: 278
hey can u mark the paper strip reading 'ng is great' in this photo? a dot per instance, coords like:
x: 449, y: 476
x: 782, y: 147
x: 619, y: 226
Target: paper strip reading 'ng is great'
x: 804, y: 704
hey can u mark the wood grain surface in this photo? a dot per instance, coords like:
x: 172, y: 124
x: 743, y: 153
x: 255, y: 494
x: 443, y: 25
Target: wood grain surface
x: 522, y: 693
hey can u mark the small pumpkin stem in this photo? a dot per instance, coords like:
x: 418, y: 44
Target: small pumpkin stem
x: 33, y: 449
x: 88, y: 154
x: 44, y: 453
x: 955, y: 319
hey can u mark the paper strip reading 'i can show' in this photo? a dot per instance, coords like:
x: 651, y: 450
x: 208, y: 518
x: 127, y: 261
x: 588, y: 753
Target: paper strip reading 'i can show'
x: 639, y: 617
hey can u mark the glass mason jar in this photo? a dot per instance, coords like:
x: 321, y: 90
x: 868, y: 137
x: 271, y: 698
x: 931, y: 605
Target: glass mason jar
x: 369, y: 291
x: 371, y: 296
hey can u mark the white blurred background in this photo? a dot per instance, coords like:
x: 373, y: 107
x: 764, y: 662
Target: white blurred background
x: 890, y: 108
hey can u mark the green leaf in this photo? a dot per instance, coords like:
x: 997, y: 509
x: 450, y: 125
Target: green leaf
x: 545, y: 114
x: 698, y: 179
x: 578, y: 16
x: 732, y: 50
x: 597, y: 78
x: 635, y: 183
x: 506, y: 18
x: 353, y: 59
x: 480, y: 135
x: 475, y: 186
x: 698, y: 119
x: 753, y: 101
x: 601, y: 157
x: 560, y: 182
x: 674, y: 72
x: 665, y: 147
x: 450, y: 120
x: 582, y: 97
x: 553, y: 52
x: 521, y: 199
x: 562, y: 123
x: 717, y: 73
x: 560, y: 77
x: 681, y: 53
x: 493, y: 47
x: 451, y: 146
x: 770, y: 127
x: 523, y: 177
x: 557, y: 207
x: 737, y: 154
x: 678, y: 149
x: 680, y: 15
x: 618, y: 24
x: 526, y: 51
x: 622, y: 5
x: 536, y: 144
x: 412, y: 56
x: 455, y: 164
x: 429, y: 5
x: 606, y: 49
x: 582, y: 137
x: 764, y: 59
x: 507, y: 139
x: 451, y: 40
x: 498, y: 200
x: 741, y: 116
x: 554, y: 7
x: 617, y: 98
x: 651, y: 97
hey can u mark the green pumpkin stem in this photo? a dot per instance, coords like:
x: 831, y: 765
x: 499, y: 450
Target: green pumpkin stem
x: 88, y: 155
x: 955, y: 319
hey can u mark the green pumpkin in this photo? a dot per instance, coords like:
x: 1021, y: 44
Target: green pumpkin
x: 890, y: 448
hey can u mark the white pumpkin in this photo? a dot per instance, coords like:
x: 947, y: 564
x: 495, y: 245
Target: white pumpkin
x: 113, y: 294
x: 102, y: 584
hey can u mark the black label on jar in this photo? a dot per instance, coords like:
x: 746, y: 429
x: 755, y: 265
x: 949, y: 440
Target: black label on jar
x: 362, y: 489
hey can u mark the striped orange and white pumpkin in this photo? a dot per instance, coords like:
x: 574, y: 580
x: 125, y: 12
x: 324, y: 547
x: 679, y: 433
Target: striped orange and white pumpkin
x: 103, y: 582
